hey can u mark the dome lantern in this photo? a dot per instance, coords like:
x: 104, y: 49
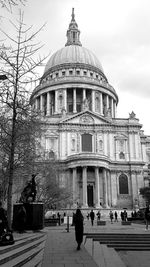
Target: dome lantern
x: 73, y: 34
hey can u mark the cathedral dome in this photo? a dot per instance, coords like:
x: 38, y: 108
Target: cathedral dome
x: 73, y: 54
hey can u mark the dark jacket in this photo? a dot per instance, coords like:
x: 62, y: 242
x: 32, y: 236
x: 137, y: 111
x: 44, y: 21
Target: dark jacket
x: 92, y: 215
x: 78, y: 222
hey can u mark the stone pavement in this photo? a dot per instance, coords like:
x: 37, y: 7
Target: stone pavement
x: 60, y: 249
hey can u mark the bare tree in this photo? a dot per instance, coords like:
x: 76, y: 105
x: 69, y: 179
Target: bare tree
x: 52, y: 191
x: 18, y: 63
x: 9, y: 3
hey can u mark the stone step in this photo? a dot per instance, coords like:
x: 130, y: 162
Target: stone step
x: 22, y: 252
x: 101, y: 239
x: 29, y: 258
x: 20, y: 242
x: 130, y: 248
x: 122, y: 241
x: 117, y: 234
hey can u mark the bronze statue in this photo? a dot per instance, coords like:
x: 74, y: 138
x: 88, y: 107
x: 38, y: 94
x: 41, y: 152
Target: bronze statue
x: 29, y: 192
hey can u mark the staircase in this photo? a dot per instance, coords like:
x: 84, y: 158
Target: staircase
x: 122, y: 241
x: 27, y: 250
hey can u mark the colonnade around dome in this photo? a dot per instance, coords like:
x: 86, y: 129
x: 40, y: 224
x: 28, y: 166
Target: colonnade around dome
x: 74, y: 100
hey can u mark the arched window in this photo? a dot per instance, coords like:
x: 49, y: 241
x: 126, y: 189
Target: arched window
x: 123, y: 184
x: 87, y: 142
x: 51, y: 154
x: 122, y: 155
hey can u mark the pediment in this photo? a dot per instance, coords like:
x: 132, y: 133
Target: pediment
x: 86, y: 117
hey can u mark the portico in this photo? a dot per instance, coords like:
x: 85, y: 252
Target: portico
x: 90, y: 186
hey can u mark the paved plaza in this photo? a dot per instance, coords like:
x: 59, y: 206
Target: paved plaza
x: 56, y: 247
x: 60, y: 249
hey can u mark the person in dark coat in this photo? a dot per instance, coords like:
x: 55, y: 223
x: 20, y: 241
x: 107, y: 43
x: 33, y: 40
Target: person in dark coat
x: 78, y: 222
x: 92, y: 216
x: 3, y: 220
x: 147, y: 216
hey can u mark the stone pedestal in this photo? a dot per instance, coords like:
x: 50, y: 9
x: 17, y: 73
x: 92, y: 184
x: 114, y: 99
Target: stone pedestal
x: 34, y: 216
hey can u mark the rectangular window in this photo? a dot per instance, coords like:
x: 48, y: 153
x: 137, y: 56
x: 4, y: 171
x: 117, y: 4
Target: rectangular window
x: 87, y: 143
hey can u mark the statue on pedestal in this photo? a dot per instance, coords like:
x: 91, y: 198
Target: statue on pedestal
x: 28, y: 194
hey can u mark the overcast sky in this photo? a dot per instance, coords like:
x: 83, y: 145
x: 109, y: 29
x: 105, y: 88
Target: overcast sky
x: 116, y: 31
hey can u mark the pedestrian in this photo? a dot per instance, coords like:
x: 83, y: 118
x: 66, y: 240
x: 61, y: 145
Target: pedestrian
x: 122, y: 216
x: 92, y: 216
x: 147, y: 216
x: 116, y: 216
x: 3, y: 220
x: 59, y: 218
x: 78, y: 222
x: 88, y: 215
x: 98, y: 215
x: 111, y: 216
x: 125, y: 215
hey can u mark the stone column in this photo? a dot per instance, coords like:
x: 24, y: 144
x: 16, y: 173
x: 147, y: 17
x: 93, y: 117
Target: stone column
x: 84, y: 186
x: 97, y: 187
x: 107, y: 102
x: 36, y: 104
x: 56, y: 100
x: 112, y: 108
x: 41, y: 104
x: 48, y: 104
x: 101, y: 104
x: 109, y: 189
x: 134, y: 187
x: 105, y: 188
x: 74, y: 101
x: 93, y: 101
x: 84, y: 94
x: 65, y: 99
x: 114, y: 188
x: 74, y: 186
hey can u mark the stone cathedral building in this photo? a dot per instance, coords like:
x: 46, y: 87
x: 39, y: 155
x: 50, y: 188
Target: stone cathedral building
x: 104, y: 158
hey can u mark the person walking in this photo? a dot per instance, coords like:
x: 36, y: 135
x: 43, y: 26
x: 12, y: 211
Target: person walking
x: 78, y: 222
x: 92, y: 216
x: 98, y: 215
x: 111, y: 216
x: 147, y: 216
x: 116, y: 216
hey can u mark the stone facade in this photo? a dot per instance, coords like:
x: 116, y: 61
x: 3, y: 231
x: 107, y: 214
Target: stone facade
x: 105, y: 159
